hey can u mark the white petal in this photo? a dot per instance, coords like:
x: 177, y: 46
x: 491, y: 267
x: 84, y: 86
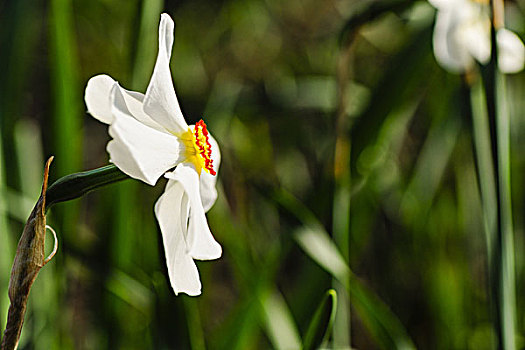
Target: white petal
x: 511, y: 55
x: 450, y: 51
x: 134, y: 104
x: 138, y: 150
x: 475, y: 36
x: 443, y: 4
x: 161, y: 102
x: 97, y: 97
x: 208, y: 181
x: 98, y: 101
x: 171, y: 211
x: 200, y: 241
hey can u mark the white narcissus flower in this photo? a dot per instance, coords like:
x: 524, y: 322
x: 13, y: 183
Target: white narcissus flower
x: 150, y: 138
x: 462, y: 35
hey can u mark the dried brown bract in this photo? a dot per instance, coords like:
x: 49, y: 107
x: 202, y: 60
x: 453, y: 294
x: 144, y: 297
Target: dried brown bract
x: 29, y: 259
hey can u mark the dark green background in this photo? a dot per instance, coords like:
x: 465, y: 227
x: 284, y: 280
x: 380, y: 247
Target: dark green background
x: 266, y: 77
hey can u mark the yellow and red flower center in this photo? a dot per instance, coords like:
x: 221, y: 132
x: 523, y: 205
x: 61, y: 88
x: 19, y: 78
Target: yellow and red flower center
x: 198, y: 148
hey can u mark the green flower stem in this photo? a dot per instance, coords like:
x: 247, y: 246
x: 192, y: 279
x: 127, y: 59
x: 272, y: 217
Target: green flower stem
x: 342, y: 188
x: 78, y: 184
x: 503, y: 269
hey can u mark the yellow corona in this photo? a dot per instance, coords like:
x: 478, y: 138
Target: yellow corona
x: 198, y: 148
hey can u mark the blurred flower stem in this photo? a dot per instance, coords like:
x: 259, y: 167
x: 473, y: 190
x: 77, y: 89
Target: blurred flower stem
x: 492, y: 148
x: 341, y: 205
x: 503, y: 253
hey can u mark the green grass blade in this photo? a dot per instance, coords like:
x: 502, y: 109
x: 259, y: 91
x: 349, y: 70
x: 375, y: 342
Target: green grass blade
x: 279, y: 323
x: 386, y: 329
x: 320, y: 326
x: 341, y: 202
x: 321, y: 248
x: 383, y: 325
x: 241, y: 327
x: 6, y: 248
x: 396, y: 86
x: 429, y: 170
x: 131, y: 291
x: 196, y: 333
x: 146, y: 44
x: 481, y: 137
x: 20, y: 38
x: 67, y: 116
x: 507, y: 240
x: 502, y: 259
x: 66, y: 133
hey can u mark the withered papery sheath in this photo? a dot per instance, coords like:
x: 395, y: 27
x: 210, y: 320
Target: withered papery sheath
x: 29, y: 259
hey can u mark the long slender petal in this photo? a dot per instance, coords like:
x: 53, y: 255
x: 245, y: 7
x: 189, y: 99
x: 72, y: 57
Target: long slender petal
x: 208, y: 181
x: 172, y: 213
x: 511, y: 55
x: 161, y: 102
x: 138, y: 150
x: 201, y: 244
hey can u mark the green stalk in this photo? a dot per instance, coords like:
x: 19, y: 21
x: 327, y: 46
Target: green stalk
x: 341, y: 204
x: 6, y: 248
x: 195, y: 330
x: 502, y: 260
x: 76, y: 185
x: 506, y: 281
x: 483, y: 157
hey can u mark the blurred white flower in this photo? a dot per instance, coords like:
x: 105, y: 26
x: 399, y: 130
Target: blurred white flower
x: 150, y: 138
x: 462, y: 35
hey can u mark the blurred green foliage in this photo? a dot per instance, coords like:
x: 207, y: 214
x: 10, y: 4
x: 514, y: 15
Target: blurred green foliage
x: 266, y: 76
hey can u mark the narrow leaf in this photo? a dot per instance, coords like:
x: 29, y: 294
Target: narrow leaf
x: 322, y: 320
x: 322, y: 249
x: 383, y: 325
x: 279, y: 322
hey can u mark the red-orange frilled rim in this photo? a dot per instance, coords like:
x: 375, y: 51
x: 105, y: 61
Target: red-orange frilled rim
x: 202, y: 144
